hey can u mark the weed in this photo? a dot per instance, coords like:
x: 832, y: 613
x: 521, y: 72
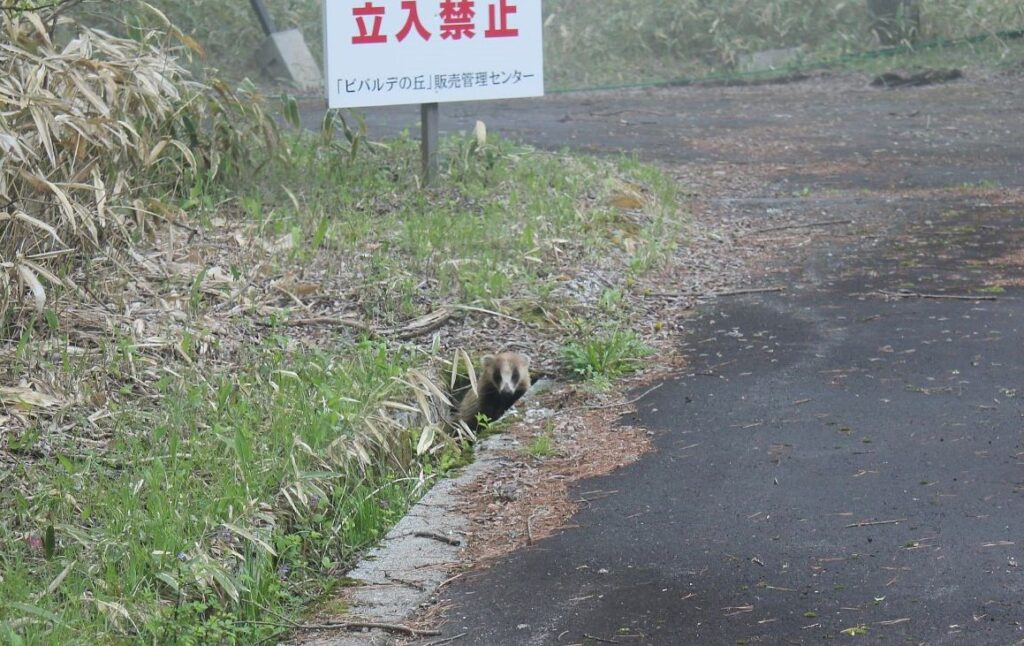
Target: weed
x: 610, y: 301
x: 626, y: 41
x: 607, y: 355
x: 984, y: 184
x: 542, y: 445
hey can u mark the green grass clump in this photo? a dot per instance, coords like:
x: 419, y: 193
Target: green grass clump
x: 234, y: 495
x: 508, y: 218
x: 607, y: 356
x: 543, y: 445
x: 223, y: 484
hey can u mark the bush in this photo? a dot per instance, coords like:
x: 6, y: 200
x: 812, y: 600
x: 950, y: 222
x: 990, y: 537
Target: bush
x: 98, y: 134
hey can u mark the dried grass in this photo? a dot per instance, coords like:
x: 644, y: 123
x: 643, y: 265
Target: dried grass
x: 95, y: 134
x: 73, y: 129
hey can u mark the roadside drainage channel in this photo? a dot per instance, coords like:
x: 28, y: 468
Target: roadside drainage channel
x: 415, y: 557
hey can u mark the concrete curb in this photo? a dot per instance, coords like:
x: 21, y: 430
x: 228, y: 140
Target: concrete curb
x: 412, y: 561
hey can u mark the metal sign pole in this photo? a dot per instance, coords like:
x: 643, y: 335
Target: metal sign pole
x: 264, y: 17
x: 429, y: 113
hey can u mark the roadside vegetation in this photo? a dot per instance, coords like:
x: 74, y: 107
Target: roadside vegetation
x: 606, y: 355
x: 628, y: 42
x: 224, y: 340
x: 633, y: 42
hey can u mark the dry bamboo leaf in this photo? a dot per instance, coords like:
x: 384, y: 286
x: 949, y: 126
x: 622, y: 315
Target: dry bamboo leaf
x: 283, y: 243
x: 35, y: 222
x: 289, y: 500
x: 400, y: 406
x: 11, y: 147
x: 62, y: 199
x: 154, y: 154
x: 186, y: 153
x: 45, y: 273
x: 291, y: 196
x: 428, y: 319
x: 32, y: 281
x: 41, y: 31
x: 244, y: 533
x: 43, y: 132
x: 360, y: 452
x: 470, y: 368
x: 89, y: 95
x: 421, y: 399
x: 57, y: 581
x: 113, y: 610
x: 375, y: 431
x: 101, y: 197
x: 429, y: 385
x: 216, y: 275
x: 426, y: 439
x: 27, y: 399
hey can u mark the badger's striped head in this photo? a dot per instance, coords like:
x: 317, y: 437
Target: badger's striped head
x: 507, y: 372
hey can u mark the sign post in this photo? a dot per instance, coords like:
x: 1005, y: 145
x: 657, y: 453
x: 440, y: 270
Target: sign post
x: 400, y: 52
x: 284, y: 53
x: 429, y: 117
x: 266, y: 22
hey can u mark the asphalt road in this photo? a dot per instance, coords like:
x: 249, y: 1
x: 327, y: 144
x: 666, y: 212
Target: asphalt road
x: 835, y: 464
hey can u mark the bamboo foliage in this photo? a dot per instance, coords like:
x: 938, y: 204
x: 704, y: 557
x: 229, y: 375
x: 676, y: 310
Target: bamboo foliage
x: 71, y: 124
x: 93, y: 135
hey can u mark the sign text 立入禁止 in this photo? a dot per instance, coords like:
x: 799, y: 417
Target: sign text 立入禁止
x: 390, y: 52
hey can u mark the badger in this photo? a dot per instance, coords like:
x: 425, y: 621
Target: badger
x: 505, y: 377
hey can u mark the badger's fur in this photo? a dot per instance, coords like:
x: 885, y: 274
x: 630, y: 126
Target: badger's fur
x: 504, y: 378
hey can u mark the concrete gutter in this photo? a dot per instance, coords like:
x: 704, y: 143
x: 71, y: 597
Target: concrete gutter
x: 415, y: 558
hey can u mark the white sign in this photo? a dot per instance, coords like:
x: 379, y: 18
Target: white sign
x: 389, y: 52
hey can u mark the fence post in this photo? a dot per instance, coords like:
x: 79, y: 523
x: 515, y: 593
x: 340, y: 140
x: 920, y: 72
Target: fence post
x: 895, y: 21
x: 429, y: 122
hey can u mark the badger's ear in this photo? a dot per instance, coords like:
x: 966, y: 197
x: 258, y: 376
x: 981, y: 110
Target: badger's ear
x: 487, y: 361
x: 526, y: 361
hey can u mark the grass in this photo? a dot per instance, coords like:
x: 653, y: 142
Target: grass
x: 992, y: 52
x: 499, y: 232
x: 627, y: 42
x: 191, y: 455
x: 187, y: 472
x: 606, y: 356
x: 637, y: 42
x: 543, y: 445
x: 233, y: 494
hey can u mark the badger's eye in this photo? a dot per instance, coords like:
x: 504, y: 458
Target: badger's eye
x: 515, y: 375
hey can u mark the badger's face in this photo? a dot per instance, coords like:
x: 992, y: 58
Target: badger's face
x: 508, y: 372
